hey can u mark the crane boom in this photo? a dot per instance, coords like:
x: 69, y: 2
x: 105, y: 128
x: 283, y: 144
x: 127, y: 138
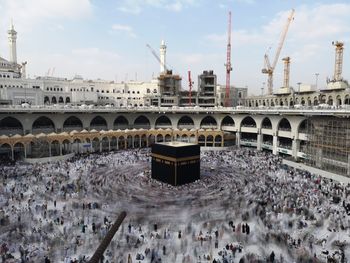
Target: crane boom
x: 269, y: 68
x: 283, y: 38
x: 156, y: 56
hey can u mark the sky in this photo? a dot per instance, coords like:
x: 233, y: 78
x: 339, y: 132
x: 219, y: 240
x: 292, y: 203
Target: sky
x: 107, y: 39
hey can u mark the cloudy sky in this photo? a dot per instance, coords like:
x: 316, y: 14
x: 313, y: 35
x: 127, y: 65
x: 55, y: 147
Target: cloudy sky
x: 107, y: 39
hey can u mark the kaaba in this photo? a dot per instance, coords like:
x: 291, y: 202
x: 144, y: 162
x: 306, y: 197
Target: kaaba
x: 176, y: 163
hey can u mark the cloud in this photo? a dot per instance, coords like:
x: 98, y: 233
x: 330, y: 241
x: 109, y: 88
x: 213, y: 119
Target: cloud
x: 137, y: 6
x: 27, y: 14
x: 124, y: 29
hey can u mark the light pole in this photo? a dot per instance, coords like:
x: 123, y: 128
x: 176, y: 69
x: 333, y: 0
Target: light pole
x: 299, y: 83
x: 316, y: 75
x: 262, y: 89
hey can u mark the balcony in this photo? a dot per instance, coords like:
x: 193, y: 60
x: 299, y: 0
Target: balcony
x: 249, y: 129
x: 248, y: 142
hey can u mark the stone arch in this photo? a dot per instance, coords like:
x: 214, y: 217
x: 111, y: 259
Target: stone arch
x: 142, y: 122
x: 121, y: 123
x: 46, y: 100
x: 201, y: 140
x: 60, y: 100
x: 227, y: 121
x: 143, y: 140
x: 95, y: 144
x: 266, y: 123
x: 208, y: 122
x: 284, y: 125
x: 19, y: 151
x: 159, y: 138
x: 137, y: 141
x: 129, y: 142
x: 163, y: 122
x: 98, y: 123
x: 304, y: 126
x: 347, y: 99
x: 5, y: 152
x: 55, y: 148
x: 72, y: 123
x: 184, y: 138
x: 10, y: 125
x: 67, y: 99
x: 338, y: 100
x: 210, y: 140
x: 53, y: 100
x: 218, y: 140
x: 248, y: 122
x: 168, y: 138
x: 105, y: 144
x: 185, y: 122
x: 330, y: 100
x: 43, y: 125
x: 114, y: 143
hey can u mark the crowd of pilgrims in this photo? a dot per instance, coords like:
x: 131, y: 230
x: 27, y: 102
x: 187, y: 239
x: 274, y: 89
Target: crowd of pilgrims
x: 247, y: 207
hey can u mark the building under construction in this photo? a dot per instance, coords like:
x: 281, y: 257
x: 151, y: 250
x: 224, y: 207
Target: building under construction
x: 329, y: 144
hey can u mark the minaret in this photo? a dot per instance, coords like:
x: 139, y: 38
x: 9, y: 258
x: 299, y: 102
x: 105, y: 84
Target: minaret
x: 12, y: 36
x: 162, y: 52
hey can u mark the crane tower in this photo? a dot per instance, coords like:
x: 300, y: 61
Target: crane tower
x: 269, y: 68
x: 286, y: 61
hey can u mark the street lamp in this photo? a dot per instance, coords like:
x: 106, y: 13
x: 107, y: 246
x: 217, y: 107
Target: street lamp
x: 262, y: 89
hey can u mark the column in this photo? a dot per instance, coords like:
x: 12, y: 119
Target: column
x: 319, y: 158
x: 238, y: 139
x: 61, y: 148
x: 348, y: 172
x: 12, y: 154
x: 140, y: 142
x: 274, y: 144
x: 133, y: 141
x: 117, y: 143
x: 259, y: 141
x: 25, y: 150
x: 49, y: 149
x: 109, y: 145
x: 100, y: 146
x: 295, y: 148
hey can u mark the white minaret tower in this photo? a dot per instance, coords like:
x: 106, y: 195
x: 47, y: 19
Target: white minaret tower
x: 12, y: 36
x: 162, y: 52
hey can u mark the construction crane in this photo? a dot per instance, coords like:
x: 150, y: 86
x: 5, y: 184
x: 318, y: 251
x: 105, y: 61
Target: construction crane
x: 286, y: 61
x: 268, y: 67
x: 338, y: 66
x: 156, y: 56
x: 228, y: 61
x: 190, y: 82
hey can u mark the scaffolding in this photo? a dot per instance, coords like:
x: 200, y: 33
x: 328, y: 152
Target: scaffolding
x: 328, y: 146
